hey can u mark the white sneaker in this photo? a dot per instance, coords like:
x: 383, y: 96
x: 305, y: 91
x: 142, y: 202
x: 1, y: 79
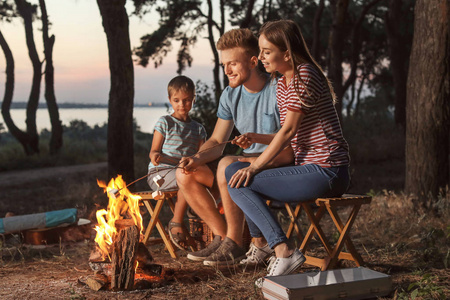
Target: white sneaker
x: 283, y: 266
x: 256, y: 255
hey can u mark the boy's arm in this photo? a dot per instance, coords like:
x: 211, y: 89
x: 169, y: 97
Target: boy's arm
x: 157, y: 143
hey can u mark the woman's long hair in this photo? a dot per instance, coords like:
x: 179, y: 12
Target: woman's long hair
x: 286, y: 35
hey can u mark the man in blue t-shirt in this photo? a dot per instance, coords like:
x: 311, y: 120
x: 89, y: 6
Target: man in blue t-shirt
x: 249, y: 103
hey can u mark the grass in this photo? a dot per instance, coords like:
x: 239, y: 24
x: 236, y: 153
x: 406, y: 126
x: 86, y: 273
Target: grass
x: 82, y: 145
x: 391, y: 235
x: 413, y: 246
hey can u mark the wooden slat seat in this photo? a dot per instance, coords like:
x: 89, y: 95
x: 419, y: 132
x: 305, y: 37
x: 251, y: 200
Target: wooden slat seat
x: 334, y: 253
x: 327, y: 205
x: 154, y: 211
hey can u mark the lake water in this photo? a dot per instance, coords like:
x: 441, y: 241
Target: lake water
x: 146, y: 117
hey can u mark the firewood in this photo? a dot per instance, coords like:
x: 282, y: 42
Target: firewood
x: 97, y: 281
x: 143, y: 255
x: 152, y: 269
x: 124, y: 258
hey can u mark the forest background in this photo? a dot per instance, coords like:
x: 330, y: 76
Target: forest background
x: 387, y: 59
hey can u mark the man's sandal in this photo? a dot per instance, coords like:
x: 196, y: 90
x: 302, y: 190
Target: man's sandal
x: 181, y: 240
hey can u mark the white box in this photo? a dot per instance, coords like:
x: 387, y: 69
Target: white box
x: 352, y: 283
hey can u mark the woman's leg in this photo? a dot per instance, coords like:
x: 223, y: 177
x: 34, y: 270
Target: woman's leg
x: 286, y: 184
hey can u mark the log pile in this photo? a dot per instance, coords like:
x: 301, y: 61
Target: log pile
x: 128, y: 255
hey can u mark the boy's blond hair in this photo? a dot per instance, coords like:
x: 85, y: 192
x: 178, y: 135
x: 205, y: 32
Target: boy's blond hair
x: 241, y: 37
x: 181, y: 83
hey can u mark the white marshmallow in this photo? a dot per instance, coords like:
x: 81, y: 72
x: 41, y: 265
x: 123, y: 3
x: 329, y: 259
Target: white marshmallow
x: 158, y: 180
x: 157, y: 195
x: 113, y: 192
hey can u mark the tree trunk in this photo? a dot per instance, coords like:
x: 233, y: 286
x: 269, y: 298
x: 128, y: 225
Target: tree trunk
x: 216, y: 70
x: 32, y: 141
x: 21, y: 136
x: 338, y: 34
x: 398, y: 54
x: 427, y: 102
x: 56, y: 139
x: 248, y: 15
x: 120, y: 114
x: 335, y: 49
x: 315, y: 49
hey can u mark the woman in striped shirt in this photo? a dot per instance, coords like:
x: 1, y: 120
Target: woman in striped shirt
x: 310, y: 126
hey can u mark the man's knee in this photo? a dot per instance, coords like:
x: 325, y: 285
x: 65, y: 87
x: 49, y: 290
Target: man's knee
x: 223, y: 164
x: 233, y: 168
x: 182, y: 179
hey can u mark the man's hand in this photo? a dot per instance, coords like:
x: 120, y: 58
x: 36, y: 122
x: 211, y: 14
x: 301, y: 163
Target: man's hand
x: 244, y: 141
x: 189, y: 165
x: 244, y: 175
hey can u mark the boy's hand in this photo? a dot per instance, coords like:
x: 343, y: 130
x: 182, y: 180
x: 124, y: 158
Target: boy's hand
x: 155, y: 158
x: 188, y: 164
x: 244, y: 141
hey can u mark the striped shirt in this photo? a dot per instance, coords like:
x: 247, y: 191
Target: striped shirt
x: 319, y: 139
x: 181, y: 139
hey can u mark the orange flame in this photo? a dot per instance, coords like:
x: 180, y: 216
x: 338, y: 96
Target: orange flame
x: 122, y: 204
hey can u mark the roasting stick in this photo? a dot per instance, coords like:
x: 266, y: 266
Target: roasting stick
x: 159, y: 180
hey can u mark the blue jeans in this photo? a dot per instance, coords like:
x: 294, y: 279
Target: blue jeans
x: 289, y: 184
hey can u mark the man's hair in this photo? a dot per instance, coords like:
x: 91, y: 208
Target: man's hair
x: 241, y: 37
x: 181, y: 83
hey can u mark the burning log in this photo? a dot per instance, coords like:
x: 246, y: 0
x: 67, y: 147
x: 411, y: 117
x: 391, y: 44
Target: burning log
x: 124, y: 258
x: 119, y: 256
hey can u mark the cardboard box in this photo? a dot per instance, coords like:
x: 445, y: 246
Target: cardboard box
x: 352, y: 283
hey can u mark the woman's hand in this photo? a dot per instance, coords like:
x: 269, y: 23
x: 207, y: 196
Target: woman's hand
x: 244, y: 175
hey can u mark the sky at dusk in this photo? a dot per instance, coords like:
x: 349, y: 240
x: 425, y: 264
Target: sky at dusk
x: 81, y: 56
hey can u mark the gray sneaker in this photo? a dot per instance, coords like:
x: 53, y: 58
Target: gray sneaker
x: 229, y: 253
x: 283, y: 266
x: 256, y: 256
x: 201, y: 255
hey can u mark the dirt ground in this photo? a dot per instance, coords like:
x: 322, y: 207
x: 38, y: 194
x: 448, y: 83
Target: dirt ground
x: 392, y: 238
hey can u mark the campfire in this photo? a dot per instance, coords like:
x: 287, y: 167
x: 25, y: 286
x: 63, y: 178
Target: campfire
x: 121, y: 261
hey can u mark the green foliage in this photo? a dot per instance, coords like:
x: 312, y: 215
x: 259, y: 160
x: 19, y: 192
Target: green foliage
x: 372, y: 133
x: 2, y: 130
x: 426, y: 288
x: 7, y: 12
x: 82, y: 145
x: 173, y: 15
x: 204, y: 109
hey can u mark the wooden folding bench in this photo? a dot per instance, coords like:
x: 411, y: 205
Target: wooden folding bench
x: 154, y: 211
x: 327, y: 205
x: 335, y: 253
x: 293, y: 217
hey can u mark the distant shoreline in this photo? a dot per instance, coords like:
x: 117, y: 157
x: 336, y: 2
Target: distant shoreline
x: 22, y: 105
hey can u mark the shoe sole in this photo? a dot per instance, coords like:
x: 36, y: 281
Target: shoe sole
x: 260, y: 263
x: 297, y: 265
x: 195, y: 258
x: 230, y: 262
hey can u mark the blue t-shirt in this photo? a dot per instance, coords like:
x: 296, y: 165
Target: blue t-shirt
x: 251, y: 112
x: 181, y: 139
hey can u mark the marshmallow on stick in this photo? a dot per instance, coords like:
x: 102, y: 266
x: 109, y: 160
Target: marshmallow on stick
x: 157, y: 195
x: 158, y: 180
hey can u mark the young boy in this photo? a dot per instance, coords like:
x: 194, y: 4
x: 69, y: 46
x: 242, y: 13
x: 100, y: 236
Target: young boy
x: 175, y: 136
